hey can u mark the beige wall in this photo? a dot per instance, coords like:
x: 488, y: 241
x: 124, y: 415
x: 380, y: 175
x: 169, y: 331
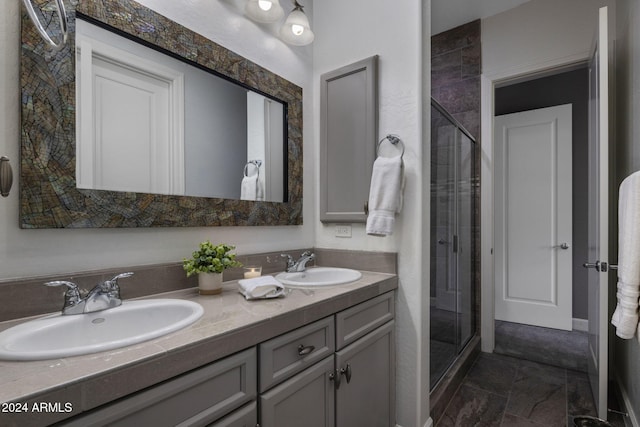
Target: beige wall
x: 26, y: 253
x: 626, y: 363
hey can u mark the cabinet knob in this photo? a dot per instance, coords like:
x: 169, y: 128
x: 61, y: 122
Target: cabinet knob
x: 346, y: 372
x: 304, y: 350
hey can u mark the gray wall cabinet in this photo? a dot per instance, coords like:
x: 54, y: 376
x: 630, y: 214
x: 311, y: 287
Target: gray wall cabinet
x: 348, y: 137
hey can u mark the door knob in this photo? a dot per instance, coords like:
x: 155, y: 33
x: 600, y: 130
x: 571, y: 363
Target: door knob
x: 564, y: 246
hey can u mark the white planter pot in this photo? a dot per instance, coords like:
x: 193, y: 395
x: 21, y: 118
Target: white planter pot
x: 210, y: 283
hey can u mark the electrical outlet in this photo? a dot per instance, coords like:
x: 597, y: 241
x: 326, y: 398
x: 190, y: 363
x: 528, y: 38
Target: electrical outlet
x: 343, y: 230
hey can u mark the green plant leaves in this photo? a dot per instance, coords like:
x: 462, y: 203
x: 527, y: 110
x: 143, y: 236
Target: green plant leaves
x: 210, y: 259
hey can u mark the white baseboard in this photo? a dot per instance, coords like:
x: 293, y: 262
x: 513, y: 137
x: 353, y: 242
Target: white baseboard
x: 581, y: 325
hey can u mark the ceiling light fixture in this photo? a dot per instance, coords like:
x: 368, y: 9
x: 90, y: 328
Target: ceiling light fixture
x: 296, y: 29
x: 266, y: 11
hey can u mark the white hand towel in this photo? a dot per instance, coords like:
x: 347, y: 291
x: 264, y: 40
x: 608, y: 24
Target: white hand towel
x: 385, y: 195
x: 249, y: 188
x: 625, y: 316
x: 260, y: 287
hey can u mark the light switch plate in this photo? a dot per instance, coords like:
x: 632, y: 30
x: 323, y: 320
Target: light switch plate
x: 343, y: 230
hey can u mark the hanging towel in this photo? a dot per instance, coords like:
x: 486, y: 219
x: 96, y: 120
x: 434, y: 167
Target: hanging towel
x: 625, y: 316
x: 249, y: 188
x: 262, y: 287
x: 385, y: 195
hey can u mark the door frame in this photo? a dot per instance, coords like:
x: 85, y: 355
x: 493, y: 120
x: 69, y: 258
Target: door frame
x: 488, y: 85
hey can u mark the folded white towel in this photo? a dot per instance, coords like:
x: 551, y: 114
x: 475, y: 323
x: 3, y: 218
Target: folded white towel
x: 260, y: 287
x: 385, y: 195
x: 625, y: 316
x: 249, y: 188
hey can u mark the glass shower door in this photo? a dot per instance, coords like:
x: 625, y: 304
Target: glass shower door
x: 443, y: 266
x: 453, y: 183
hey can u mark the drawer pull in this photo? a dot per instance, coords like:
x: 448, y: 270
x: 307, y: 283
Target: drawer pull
x: 303, y: 351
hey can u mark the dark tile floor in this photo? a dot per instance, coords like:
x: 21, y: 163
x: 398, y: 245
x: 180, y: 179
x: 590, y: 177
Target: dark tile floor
x: 540, y: 380
x: 505, y: 391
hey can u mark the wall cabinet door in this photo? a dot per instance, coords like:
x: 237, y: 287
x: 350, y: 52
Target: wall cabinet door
x: 366, y: 394
x: 306, y: 399
x: 348, y: 137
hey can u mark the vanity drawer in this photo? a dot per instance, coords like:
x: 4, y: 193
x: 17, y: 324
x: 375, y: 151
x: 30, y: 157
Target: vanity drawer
x: 288, y: 354
x: 194, y: 399
x: 357, y: 321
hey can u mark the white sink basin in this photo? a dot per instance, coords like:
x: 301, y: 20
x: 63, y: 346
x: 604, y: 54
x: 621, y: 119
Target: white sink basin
x: 319, y: 276
x: 58, y: 336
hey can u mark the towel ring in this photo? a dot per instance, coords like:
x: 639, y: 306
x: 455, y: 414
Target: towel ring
x: 256, y: 163
x: 394, y: 140
x: 63, y: 24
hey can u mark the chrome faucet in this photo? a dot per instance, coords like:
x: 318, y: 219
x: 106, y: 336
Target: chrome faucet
x: 301, y: 263
x: 103, y: 296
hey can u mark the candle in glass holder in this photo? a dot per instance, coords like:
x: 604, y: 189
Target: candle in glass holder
x: 251, y: 271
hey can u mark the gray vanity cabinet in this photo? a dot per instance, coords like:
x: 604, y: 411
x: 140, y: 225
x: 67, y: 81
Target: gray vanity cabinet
x: 196, y: 399
x: 353, y: 387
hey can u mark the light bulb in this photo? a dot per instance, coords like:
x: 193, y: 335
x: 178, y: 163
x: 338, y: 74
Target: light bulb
x: 264, y: 10
x: 297, y: 29
x: 265, y: 5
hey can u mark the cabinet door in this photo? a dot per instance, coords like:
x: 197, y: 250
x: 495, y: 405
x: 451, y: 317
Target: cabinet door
x: 366, y: 395
x: 348, y: 136
x: 306, y: 400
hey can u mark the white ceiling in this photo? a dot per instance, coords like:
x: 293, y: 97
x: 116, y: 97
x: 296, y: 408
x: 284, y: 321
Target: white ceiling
x: 448, y: 14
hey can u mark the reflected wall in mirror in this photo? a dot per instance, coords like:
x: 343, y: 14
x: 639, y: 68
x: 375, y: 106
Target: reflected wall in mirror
x: 177, y: 182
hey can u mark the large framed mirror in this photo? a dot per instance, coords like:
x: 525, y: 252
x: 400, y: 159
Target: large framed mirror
x: 172, y: 152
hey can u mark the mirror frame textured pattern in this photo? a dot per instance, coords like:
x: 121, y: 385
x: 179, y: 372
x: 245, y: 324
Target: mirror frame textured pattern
x: 48, y: 194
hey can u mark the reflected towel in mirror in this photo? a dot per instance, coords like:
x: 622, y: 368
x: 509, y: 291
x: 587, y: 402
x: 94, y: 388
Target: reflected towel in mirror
x: 249, y: 188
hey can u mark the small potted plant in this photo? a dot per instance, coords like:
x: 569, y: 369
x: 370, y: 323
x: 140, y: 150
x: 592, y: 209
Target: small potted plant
x: 209, y: 262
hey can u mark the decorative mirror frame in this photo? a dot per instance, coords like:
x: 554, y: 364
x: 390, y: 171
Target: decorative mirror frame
x: 48, y: 194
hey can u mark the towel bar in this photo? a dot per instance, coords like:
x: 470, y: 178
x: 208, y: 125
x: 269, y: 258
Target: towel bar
x: 62, y: 15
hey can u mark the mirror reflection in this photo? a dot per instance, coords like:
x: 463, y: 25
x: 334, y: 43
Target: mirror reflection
x: 149, y: 123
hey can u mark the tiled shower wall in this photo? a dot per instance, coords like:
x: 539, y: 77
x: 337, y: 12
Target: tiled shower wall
x: 456, y: 65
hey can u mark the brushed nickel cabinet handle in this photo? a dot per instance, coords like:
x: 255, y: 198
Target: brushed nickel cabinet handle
x: 304, y: 350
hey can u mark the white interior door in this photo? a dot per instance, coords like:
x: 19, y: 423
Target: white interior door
x: 599, y: 67
x: 533, y: 217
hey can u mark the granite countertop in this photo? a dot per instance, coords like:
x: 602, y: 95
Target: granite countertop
x: 229, y: 324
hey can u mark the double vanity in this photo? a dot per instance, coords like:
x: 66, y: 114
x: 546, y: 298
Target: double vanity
x: 320, y: 354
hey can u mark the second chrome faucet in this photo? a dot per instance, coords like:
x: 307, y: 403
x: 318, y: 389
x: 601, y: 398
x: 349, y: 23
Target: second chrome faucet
x: 301, y: 263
